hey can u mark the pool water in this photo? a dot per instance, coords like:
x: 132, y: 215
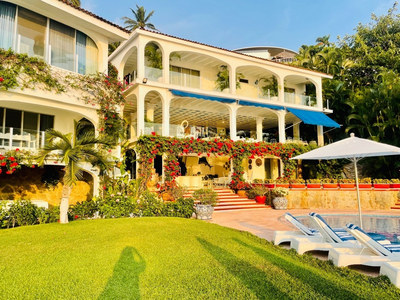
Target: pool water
x: 389, y: 226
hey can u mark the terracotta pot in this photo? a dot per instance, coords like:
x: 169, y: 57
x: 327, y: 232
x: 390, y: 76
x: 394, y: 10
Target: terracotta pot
x: 365, y: 185
x: 395, y: 185
x: 284, y: 185
x: 241, y: 193
x: 347, y: 185
x: 298, y: 185
x: 381, y: 185
x: 330, y: 185
x: 269, y: 185
x: 261, y: 199
x: 313, y: 185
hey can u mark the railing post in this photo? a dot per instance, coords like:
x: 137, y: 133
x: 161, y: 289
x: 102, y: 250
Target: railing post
x: 42, y: 139
x: 11, y: 137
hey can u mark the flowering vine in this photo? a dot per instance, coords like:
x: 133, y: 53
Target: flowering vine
x: 148, y: 146
x: 11, y: 160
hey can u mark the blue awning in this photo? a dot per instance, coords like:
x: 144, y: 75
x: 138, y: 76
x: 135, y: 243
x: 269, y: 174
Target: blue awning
x: 264, y: 105
x: 313, y: 117
x: 199, y: 96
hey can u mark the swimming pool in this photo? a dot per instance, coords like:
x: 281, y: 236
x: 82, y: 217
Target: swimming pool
x: 386, y: 225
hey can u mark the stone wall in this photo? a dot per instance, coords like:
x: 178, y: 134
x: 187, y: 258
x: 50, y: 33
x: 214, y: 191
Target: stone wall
x: 342, y: 199
x: 27, y: 184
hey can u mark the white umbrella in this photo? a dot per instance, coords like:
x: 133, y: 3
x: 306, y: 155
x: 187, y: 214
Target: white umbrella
x: 353, y: 149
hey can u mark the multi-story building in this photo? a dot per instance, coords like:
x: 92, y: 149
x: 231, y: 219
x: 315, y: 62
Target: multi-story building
x: 176, y: 87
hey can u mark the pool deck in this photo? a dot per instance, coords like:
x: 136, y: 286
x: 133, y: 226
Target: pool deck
x: 263, y: 222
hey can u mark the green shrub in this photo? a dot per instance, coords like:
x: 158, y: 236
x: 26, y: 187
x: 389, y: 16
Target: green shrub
x: 205, y: 197
x: 83, y: 210
x: 150, y: 205
x: 183, y: 208
x: 21, y: 213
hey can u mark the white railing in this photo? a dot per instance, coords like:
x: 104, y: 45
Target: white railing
x: 152, y: 127
x: 153, y: 74
x: 300, y: 99
x: 266, y: 95
x: 12, y: 138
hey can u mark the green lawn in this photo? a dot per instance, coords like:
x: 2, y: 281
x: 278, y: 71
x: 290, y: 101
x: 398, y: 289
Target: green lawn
x: 166, y: 258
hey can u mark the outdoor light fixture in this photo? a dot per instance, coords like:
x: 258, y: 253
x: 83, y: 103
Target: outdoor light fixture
x: 256, y: 82
x: 145, y: 80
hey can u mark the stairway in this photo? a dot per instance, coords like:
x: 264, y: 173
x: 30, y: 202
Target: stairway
x: 230, y: 201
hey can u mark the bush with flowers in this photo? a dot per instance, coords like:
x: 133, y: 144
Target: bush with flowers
x: 279, y: 192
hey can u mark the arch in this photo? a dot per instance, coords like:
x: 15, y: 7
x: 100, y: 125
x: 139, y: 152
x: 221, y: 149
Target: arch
x: 87, y: 126
x: 298, y: 92
x: 129, y: 64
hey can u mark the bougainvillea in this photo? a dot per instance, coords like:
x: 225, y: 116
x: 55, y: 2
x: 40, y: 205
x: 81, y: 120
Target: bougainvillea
x: 148, y: 146
x: 11, y: 161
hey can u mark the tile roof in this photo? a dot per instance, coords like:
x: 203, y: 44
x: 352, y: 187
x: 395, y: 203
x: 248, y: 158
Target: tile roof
x: 94, y: 16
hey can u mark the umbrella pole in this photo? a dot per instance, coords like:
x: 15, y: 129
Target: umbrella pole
x: 358, y: 193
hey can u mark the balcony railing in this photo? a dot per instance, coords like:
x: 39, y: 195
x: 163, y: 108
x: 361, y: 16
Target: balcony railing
x: 153, y: 74
x: 12, y: 138
x: 152, y: 127
x: 300, y: 99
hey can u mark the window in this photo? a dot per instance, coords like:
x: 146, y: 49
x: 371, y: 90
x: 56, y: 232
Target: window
x: 243, y: 80
x: 185, y: 77
x: 67, y: 49
x: 31, y: 33
x: 7, y: 23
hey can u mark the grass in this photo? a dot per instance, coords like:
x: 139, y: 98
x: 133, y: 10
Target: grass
x: 166, y: 258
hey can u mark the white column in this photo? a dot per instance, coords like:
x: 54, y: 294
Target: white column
x: 259, y: 127
x: 232, y: 120
x: 165, y: 117
x: 165, y: 60
x: 281, y: 126
x: 281, y: 90
x: 140, y: 61
x: 140, y: 112
x: 133, y: 128
x: 296, y: 131
x: 318, y: 89
x: 232, y: 79
x: 320, y: 133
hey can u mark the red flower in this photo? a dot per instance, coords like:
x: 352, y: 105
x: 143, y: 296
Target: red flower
x: 3, y: 164
x: 104, y: 187
x: 76, y: 217
x: 33, y: 166
x: 17, y: 149
x: 150, y: 160
x: 11, y: 158
x: 1, y: 79
x: 153, y: 133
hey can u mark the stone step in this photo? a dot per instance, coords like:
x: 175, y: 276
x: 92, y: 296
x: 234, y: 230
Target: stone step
x: 236, y: 207
x: 236, y: 203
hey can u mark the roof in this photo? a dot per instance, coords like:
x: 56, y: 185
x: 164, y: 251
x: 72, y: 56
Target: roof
x: 271, y: 49
x: 95, y: 16
x: 232, y: 51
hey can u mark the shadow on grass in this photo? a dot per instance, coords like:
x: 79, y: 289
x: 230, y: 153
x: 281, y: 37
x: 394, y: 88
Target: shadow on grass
x: 252, y: 277
x: 124, y: 284
x: 317, y: 282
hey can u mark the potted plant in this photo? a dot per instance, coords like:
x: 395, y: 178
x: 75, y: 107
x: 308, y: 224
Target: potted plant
x: 259, y: 193
x: 269, y: 183
x: 381, y: 183
x: 279, y: 197
x: 313, y: 183
x: 347, y: 183
x: 329, y: 183
x: 282, y: 182
x: 395, y: 183
x: 205, y: 200
x: 297, y: 183
x: 364, y: 183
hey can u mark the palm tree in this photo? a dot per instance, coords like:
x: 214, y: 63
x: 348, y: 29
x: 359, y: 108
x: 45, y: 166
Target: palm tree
x: 323, y: 41
x: 112, y: 47
x: 75, y: 2
x: 140, y: 21
x: 74, y: 149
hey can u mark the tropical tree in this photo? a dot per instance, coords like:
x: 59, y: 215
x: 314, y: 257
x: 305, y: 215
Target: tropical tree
x: 140, y: 21
x: 323, y: 41
x: 75, y: 2
x: 112, y: 47
x: 74, y: 150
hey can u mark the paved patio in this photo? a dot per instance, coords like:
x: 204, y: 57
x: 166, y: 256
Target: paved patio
x: 263, y: 222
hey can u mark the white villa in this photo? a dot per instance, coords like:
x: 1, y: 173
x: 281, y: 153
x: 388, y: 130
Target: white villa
x: 172, y: 89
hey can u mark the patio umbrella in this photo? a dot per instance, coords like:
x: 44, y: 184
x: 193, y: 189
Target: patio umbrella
x: 353, y: 149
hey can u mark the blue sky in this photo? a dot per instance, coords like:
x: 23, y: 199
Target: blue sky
x: 233, y: 24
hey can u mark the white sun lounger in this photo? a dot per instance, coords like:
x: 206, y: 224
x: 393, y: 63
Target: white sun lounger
x: 372, y: 253
x: 327, y: 240
x: 392, y: 270
x: 303, y: 231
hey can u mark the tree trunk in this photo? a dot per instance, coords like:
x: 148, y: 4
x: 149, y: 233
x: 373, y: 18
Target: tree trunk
x: 66, y: 191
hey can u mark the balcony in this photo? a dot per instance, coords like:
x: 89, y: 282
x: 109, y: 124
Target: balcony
x: 12, y: 138
x: 300, y: 99
x: 153, y: 74
x: 183, y: 79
